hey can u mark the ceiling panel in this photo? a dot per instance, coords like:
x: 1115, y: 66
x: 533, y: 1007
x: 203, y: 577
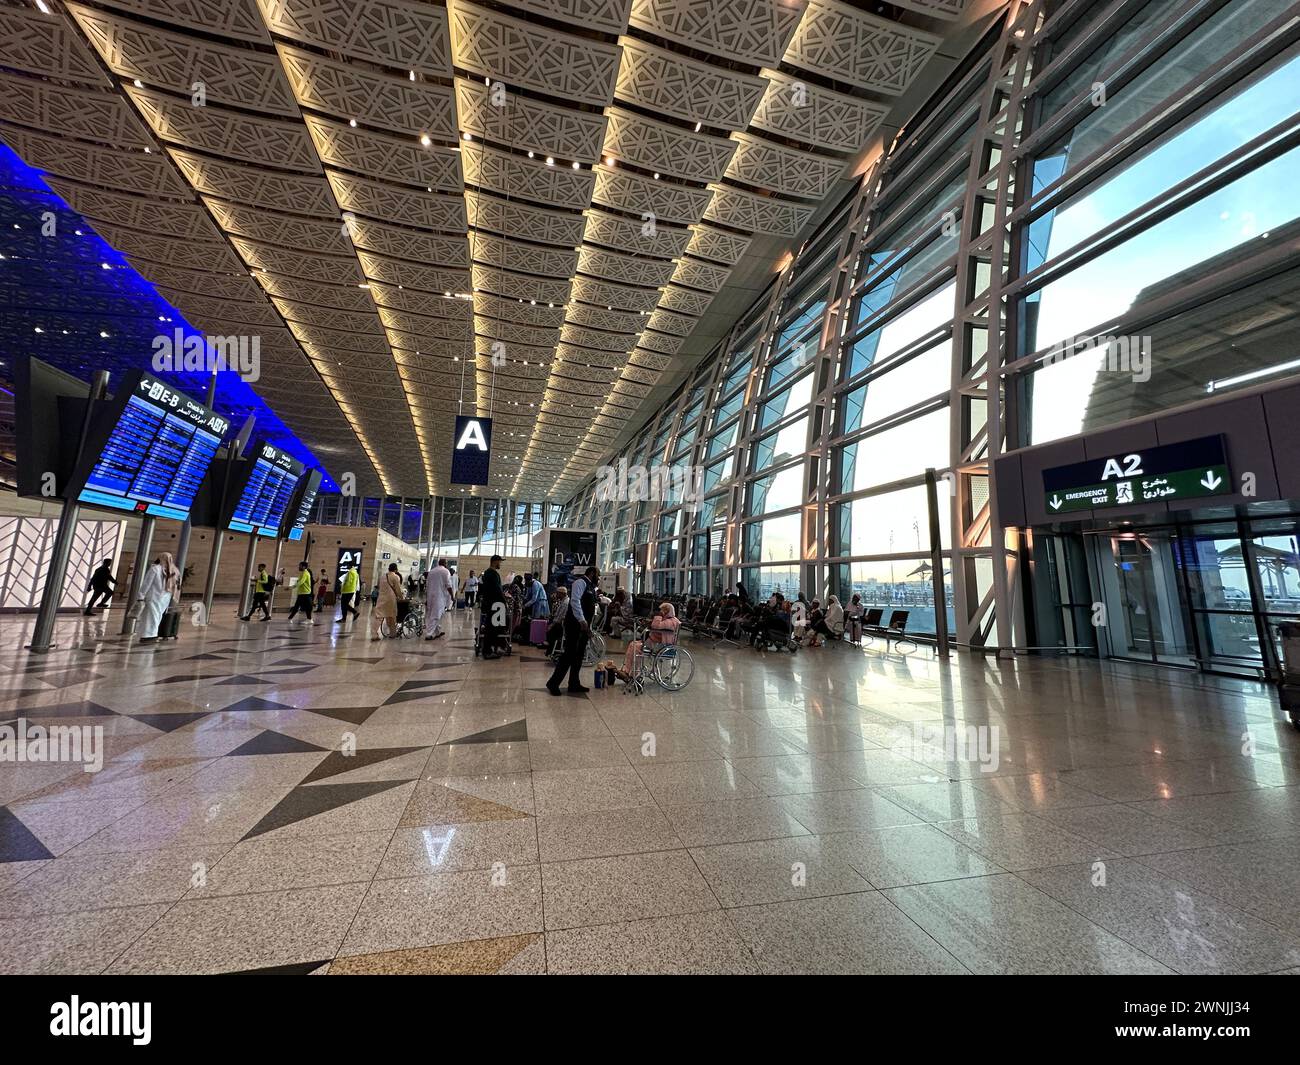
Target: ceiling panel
x: 558, y: 191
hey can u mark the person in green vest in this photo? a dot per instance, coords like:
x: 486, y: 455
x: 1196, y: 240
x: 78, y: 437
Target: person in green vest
x: 348, y: 586
x: 262, y: 583
x: 302, y: 599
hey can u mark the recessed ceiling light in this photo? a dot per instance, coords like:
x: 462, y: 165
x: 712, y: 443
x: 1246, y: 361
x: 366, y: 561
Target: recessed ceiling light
x: 103, y: 334
x: 39, y: 329
x: 530, y: 155
x: 467, y: 136
x: 697, y: 126
x: 576, y: 166
x: 352, y: 122
x: 138, y: 83
x: 656, y: 177
x: 424, y: 139
x: 550, y: 161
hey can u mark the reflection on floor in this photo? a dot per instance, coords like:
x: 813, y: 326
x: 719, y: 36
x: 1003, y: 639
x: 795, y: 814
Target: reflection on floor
x: 307, y: 800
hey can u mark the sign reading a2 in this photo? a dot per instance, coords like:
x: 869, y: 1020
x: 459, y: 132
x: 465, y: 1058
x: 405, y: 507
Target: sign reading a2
x: 1132, y: 467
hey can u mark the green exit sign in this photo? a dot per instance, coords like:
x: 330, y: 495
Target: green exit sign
x: 1188, y: 470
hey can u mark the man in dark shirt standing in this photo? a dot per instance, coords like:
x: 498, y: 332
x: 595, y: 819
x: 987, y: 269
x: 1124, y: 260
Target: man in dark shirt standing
x: 101, y: 583
x: 496, y: 617
x: 577, y: 630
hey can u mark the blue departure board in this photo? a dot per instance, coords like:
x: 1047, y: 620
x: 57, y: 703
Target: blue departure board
x: 272, y: 478
x: 156, y: 452
x: 306, y: 500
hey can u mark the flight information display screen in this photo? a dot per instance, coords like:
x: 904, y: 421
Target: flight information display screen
x: 272, y: 478
x: 156, y: 452
x: 306, y: 500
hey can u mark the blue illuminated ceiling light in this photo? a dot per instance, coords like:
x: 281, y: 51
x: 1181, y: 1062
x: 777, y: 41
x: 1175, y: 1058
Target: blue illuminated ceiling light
x: 70, y: 299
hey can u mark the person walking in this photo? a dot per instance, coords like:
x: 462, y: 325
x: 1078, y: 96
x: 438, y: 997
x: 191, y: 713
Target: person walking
x: 391, y: 589
x: 471, y: 589
x: 160, y: 592
x: 577, y: 630
x: 302, y: 594
x: 348, y: 586
x: 322, y: 589
x: 495, y: 611
x: 455, y: 585
x: 262, y: 583
x: 101, y: 585
x: 437, y: 599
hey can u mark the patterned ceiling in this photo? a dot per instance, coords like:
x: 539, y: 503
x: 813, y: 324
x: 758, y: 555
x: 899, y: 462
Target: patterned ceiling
x: 510, y: 209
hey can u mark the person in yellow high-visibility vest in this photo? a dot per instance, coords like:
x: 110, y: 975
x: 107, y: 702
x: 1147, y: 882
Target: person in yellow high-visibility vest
x: 302, y: 594
x: 262, y: 582
x: 348, y: 585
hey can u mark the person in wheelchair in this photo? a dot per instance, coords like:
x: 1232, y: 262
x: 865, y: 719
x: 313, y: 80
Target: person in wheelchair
x: 663, y: 631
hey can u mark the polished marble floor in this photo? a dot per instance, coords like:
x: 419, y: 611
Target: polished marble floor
x: 307, y: 800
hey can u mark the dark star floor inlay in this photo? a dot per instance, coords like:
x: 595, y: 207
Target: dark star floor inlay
x: 270, y: 742
x: 253, y: 704
x: 308, y: 801
x: 354, y: 715
x: 17, y: 842
x: 167, y: 722
x: 514, y: 732
x: 297, y: 968
x: 337, y: 762
x: 81, y: 709
x: 242, y: 678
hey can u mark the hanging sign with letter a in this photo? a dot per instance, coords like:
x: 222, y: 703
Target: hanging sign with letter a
x: 471, y: 451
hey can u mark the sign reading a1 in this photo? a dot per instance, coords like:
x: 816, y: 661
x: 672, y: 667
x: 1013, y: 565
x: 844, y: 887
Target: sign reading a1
x: 1187, y: 470
x: 471, y: 452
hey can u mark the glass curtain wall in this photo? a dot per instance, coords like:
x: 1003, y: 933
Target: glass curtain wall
x: 1160, y: 208
x: 1089, y: 171
x: 446, y: 526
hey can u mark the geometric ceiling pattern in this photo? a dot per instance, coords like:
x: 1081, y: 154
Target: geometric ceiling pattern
x: 515, y: 209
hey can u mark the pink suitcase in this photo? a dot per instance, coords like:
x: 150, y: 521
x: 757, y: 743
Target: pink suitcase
x: 537, y: 632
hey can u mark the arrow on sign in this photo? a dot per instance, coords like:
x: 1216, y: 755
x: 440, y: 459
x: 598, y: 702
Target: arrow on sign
x: 1055, y: 502
x: 1211, y: 480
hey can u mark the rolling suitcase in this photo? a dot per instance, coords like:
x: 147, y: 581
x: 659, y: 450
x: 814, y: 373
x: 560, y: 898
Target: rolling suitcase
x: 537, y: 632
x: 170, y: 626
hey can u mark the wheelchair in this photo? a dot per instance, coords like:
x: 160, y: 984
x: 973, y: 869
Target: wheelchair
x: 410, y: 622
x: 596, y: 647
x: 668, y: 665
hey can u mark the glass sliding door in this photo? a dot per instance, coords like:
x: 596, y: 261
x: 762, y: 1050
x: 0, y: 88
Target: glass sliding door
x: 1219, y: 594
x: 1145, y: 614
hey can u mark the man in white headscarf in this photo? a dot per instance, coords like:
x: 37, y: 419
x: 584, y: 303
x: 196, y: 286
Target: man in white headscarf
x: 437, y: 598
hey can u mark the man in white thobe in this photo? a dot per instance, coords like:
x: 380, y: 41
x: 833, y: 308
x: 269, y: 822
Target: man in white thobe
x: 438, y: 596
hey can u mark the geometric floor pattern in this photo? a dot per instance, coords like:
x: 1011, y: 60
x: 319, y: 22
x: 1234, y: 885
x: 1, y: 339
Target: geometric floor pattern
x: 312, y: 801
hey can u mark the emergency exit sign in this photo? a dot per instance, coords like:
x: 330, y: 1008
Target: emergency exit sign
x: 1188, y: 470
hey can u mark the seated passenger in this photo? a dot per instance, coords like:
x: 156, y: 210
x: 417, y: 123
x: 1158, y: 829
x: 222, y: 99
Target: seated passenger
x: 831, y: 625
x: 619, y: 615
x: 853, y: 620
x: 662, y: 633
x: 816, y: 615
